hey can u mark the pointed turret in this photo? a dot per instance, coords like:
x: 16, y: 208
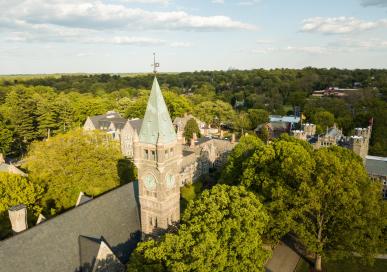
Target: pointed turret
x: 157, y: 127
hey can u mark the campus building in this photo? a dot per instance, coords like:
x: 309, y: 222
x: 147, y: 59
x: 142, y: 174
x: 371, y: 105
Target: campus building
x: 100, y: 233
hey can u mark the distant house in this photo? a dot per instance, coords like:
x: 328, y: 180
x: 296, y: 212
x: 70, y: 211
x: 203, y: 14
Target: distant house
x: 333, y: 92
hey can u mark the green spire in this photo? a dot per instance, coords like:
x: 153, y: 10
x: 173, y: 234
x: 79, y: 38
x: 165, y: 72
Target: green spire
x: 157, y: 126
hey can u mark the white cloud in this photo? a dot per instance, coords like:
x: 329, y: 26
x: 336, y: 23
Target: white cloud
x: 381, y: 3
x: 218, y: 1
x: 339, y: 25
x: 181, y: 44
x: 94, y: 14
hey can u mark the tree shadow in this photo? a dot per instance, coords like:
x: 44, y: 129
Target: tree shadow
x: 126, y: 170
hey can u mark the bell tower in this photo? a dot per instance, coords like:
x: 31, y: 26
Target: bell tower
x: 157, y: 155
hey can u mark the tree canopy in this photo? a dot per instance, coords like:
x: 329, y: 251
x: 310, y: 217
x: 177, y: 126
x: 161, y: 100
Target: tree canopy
x: 76, y: 161
x: 15, y: 190
x: 220, y: 231
x: 190, y: 128
x: 323, y: 196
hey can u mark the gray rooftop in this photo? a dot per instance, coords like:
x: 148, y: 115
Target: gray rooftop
x: 53, y: 245
x: 103, y: 121
x: 157, y: 125
x: 376, y: 165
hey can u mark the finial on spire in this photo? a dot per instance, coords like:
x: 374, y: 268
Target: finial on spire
x: 155, y: 64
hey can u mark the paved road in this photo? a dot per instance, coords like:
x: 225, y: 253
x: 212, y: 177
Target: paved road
x: 284, y: 259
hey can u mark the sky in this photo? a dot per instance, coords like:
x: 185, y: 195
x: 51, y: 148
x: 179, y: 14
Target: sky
x: 120, y: 36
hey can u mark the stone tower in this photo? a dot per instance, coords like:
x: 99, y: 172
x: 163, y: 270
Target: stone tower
x: 157, y: 155
x: 359, y: 142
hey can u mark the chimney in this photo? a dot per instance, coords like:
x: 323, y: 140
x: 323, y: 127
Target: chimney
x: 233, y: 138
x: 18, y: 217
x: 2, y: 158
x: 221, y: 134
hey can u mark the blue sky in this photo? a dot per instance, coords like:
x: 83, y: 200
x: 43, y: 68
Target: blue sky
x: 69, y: 36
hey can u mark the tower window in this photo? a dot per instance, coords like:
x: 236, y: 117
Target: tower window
x: 171, y: 152
x: 153, y: 155
x: 166, y: 154
x: 146, y: 154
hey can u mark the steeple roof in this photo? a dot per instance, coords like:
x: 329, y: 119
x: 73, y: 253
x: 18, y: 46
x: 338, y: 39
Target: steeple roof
x: 157, y: 126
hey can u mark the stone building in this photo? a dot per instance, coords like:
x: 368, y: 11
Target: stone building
x: 157, y: 155
x: 196, y: 160
x: 119, y: 128
x: 358, y: 142
x: 100, y: 233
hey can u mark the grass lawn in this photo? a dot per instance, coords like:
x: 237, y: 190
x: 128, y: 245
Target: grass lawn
x: 346, y: 266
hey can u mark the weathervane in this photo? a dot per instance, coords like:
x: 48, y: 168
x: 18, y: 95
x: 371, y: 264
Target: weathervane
x: 155, y: 64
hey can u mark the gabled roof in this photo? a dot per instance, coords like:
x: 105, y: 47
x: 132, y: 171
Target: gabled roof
x: 136, y: 124
x: 103, y: 121
x: 157, y: 125
x: 97, y: 255
x: 376, y: 166
x: 53, y: 244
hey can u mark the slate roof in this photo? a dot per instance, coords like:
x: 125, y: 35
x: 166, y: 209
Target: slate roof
x: 136, y: 124
x: 103, y: 121
x: 53, y: 244
x: 376, y: 165
x: 157, y: 125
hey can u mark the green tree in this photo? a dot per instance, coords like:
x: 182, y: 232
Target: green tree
x: 243, y: 122
x: 190, y: 128
x: 234, y: 167
x: 76, y: 161
x: 177, y: 105
x: 15, y: 190
x: 323, y: 196
x: 215, y: 113
x: 6, y: 138
x: 220, y: 231
x: 341, y: 208
x: 323, y: 120
x: 258, y: 117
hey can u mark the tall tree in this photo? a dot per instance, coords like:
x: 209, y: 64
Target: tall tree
x: 323, y: 120
x: 190, y: 128
x: 15, y: 190
x: 258, y: 117
x: 323, y: 196
x: 76, y: 161
x: 220, y: 231
x: 6, y: 138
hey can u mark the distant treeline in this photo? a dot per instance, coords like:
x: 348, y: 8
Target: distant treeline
x: 216, y: 96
